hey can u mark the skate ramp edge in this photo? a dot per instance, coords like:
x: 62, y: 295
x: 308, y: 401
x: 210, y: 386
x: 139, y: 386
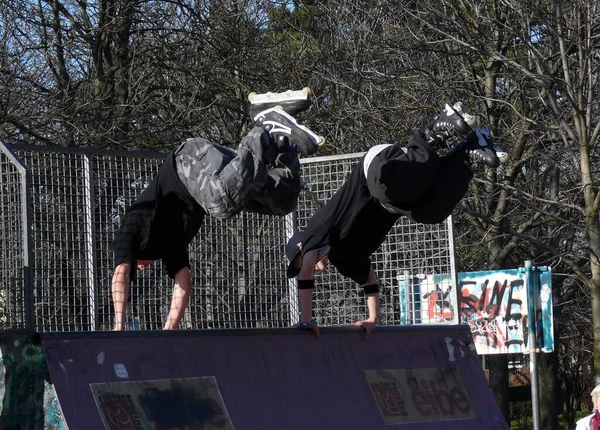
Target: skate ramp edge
x: 410, y: 377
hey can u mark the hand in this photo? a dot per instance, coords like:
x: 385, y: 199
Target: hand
x: 368, y: 325
x: 321, y: 264
x: 313, y: 327
x: 119, y: 326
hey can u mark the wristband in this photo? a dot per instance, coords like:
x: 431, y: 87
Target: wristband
x: 306, y: 284
x: 306, y: 325
x: 371, y: 289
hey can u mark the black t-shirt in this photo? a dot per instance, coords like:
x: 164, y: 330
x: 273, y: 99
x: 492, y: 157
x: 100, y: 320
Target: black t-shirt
x: 160, y: 224
x: 352, y: 222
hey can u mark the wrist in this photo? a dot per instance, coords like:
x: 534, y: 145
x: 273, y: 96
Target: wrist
x: 306, y: 317
x: 119, y: 322
x: 303, y: 324
x: 171, y: 326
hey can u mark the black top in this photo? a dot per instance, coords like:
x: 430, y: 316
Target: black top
x: 160, y: 224
x: 352, y: 223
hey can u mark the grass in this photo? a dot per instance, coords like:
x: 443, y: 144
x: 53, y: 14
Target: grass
x: 527, y: 424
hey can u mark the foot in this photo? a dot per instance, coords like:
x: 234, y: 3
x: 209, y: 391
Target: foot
x: 451, y: 122
x: 293, y: 102
x: 286, y: 131
x: 479, y: 148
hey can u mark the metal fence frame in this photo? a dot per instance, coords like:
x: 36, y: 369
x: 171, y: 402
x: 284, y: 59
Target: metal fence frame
x: 22, y: 213
x: 417, y: 238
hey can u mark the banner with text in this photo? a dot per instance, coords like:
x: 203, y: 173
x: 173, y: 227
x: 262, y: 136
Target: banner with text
x: 494, y: 304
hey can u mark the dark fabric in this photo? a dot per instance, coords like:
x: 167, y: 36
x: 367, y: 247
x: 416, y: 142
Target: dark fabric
x: 352, y: 223
x: 421, y: 185
x: 255, y: 177
x: 397, y: 176
x: 279, y: 193
x: 306, y: 284
x: 450, y: 185
x: 371, y: 289
x: 160, y: 224
x: 292, y: 248
x: 353, y: 267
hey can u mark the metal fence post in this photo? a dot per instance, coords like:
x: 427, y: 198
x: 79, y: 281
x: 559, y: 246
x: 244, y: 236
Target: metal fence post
x: 90, y: 257
x: 453, y: 273
x: 532, y: 345
x: 411, y: 298
x: 404, y: 296
x: 291, y: 225
x: 26, y: 217
x: 26, y: 243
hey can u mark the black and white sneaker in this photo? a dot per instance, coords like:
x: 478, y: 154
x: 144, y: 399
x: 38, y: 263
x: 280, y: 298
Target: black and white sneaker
x: 286, y: 131
x: 479, y: 147
x: 293, y: 102
x: 452, y: 121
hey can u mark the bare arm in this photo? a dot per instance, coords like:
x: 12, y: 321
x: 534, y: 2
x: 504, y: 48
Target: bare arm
x: 307, y: 272
x: 306, y: 301
x: 372, y: 304
x: 120, y: 293
x: 372, y: 299
x: 181, y: 295
x: 305, y: 295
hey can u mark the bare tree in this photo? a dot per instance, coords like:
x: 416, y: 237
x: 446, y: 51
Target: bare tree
x: 533, y: 69
x: 134, y: 74
x: 131, y: 74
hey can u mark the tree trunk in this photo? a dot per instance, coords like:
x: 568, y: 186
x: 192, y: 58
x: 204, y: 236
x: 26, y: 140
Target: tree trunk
x: 548, y: 364
x: 498, y: 365
x: 593, y: 234
x: 550, y: 401
x: 595, y: 294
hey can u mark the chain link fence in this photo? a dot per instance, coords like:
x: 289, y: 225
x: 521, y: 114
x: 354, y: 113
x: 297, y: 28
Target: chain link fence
x: 78, y: 198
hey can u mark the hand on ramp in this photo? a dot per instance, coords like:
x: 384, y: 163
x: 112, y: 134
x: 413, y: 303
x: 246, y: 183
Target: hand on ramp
x: 369, y: 326
x: 312, y: 325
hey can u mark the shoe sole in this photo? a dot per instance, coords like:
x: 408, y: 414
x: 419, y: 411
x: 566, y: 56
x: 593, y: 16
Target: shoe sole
x: 300, y: 95
x: 292, y: 101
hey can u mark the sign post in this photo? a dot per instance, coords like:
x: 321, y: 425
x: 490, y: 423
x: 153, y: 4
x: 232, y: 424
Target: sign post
x: 532, y: 344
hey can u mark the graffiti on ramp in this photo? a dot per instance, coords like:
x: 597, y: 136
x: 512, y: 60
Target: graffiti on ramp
x: 420, y: 395
x: 165, y: 404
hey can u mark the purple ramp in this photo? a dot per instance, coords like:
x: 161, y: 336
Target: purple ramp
x: 410, y: 378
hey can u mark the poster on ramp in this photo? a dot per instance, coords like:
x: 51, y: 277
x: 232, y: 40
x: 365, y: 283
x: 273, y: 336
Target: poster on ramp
x: 184, y: 403
x: 408, y: 396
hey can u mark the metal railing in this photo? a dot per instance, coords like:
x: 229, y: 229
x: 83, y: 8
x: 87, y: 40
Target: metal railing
x: 59, y: 211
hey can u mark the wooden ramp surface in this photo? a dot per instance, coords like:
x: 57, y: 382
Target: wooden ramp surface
x: 408, y: 378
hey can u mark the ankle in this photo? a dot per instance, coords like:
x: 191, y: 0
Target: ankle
x: 434, y: 140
